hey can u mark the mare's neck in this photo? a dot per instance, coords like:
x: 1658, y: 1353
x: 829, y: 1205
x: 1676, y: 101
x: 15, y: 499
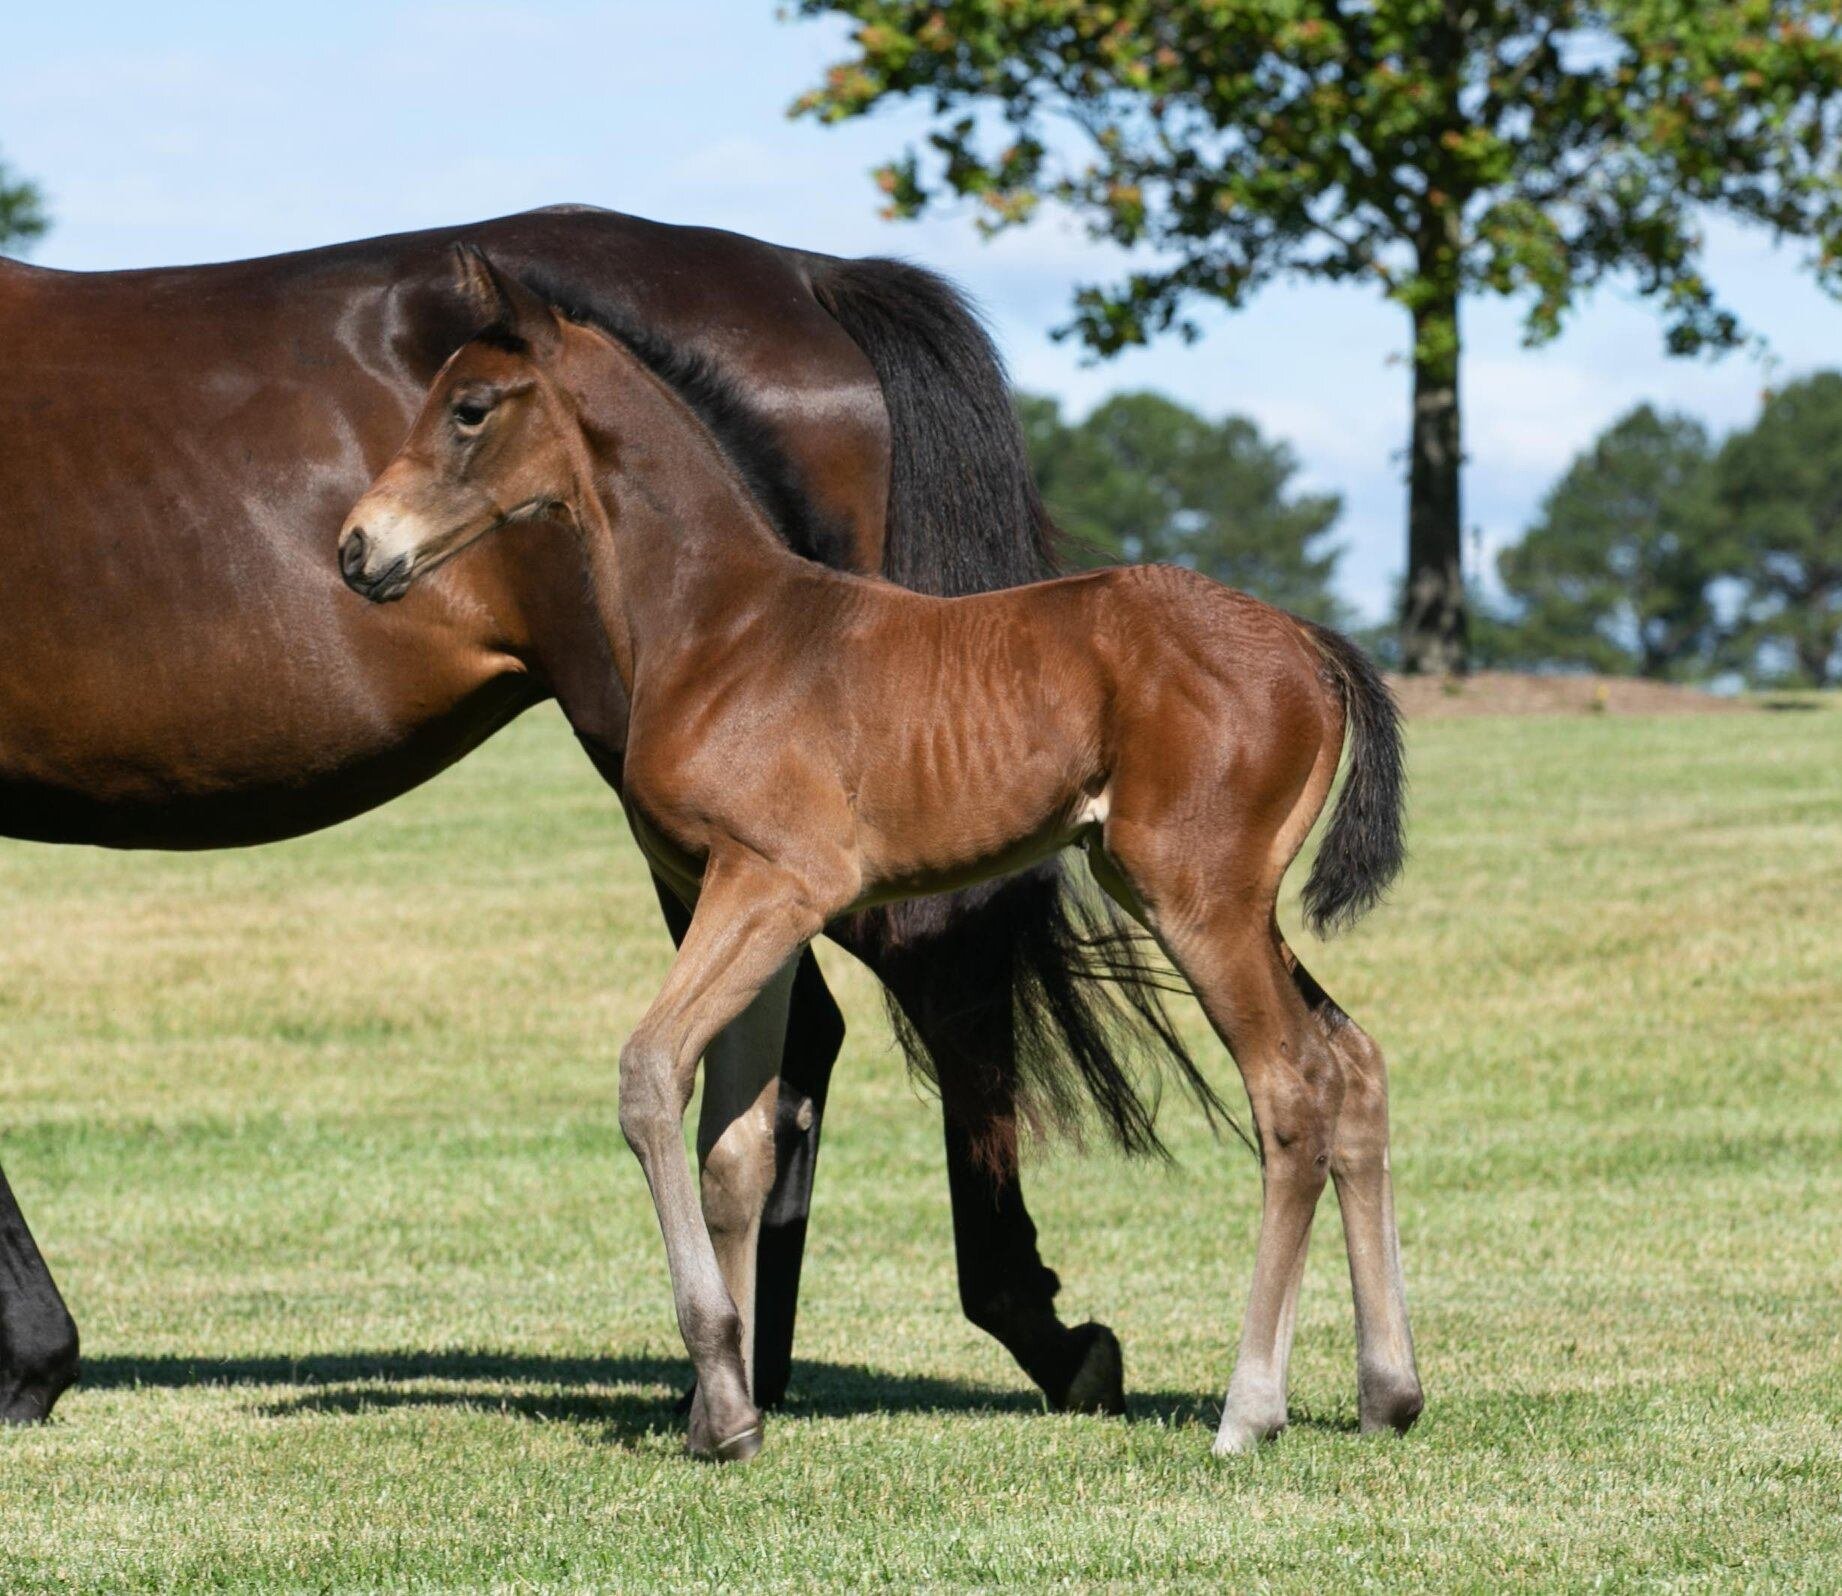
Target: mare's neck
x: 682, y: 548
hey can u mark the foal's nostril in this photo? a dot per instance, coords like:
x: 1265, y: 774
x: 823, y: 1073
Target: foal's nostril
x: 352, y: 552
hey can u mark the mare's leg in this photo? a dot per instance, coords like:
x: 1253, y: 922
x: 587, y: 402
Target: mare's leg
x: 814, y: 1035
x: 1215, y: 921
x: 751, y: 920
x: 38, y: 1339
x: 1007, y: 1291
x: 1387, y: 1380
x: 959, y: 1001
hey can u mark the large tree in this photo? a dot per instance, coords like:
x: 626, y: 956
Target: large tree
x: 1780, y: 485
x: 22, y: 211
x: 1143, y: 478
x: 1432, y: 148
x: 1617, y: 572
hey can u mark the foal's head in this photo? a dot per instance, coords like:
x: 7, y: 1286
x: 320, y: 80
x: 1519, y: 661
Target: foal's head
x: 497, y: 440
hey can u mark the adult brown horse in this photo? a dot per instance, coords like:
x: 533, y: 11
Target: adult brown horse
x: 184, y: 668
x: 1185, y: 734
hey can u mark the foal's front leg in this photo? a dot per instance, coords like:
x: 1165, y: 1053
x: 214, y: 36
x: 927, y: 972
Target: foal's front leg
x: 735, y: 1142
x: 751, y: 920
x: 813, y: 1037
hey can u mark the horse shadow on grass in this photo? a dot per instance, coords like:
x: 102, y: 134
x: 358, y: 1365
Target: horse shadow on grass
x: 627, y: 1397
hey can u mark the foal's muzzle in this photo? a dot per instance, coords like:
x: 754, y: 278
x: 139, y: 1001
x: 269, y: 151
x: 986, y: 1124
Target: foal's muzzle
x: 366, y: 573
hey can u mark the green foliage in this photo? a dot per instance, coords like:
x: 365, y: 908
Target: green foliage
x: 1145, y: 479
x: 22, y: 211
x: 1429, y: 146
x: 1433, y: 148
x: 1780, y: 485
x: 1616, y: 573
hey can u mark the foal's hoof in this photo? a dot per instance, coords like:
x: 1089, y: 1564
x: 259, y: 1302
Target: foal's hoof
x: 1389, y: 1403
x: 1098, y: 1384
x: 1237, y: 1437
x: 736, y: 1442
x: 1247, y: 1420
x: 738, y: 1448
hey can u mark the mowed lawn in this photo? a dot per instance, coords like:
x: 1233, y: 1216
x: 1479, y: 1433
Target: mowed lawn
x: 321, y: 1141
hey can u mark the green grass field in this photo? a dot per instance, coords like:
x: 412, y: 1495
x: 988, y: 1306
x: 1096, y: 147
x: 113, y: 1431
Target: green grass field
x: 321, y: 1142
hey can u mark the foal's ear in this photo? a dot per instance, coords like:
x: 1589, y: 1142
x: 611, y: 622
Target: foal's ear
x: 501, y: 301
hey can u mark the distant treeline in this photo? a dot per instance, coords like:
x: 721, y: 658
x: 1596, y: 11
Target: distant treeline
x: 1661, y: 551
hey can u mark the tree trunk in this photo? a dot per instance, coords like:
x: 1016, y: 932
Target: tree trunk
x: 1816, y: 653
x: 1434, y: 635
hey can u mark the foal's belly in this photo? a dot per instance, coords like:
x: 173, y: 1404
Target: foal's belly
x: 906, y: 879
x: 945, y: 843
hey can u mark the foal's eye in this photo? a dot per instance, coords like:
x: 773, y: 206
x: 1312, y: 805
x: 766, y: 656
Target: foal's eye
x: 470, y: 413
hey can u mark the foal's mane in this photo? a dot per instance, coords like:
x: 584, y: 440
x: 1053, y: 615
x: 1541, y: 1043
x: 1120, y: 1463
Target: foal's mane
x: 745, y: 436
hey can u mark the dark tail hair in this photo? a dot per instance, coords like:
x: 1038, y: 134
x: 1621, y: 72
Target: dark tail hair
x: 964, y: 513
x: 965, y: 517
x: 1366, y: 844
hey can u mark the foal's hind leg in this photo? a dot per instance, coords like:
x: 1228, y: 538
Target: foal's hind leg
x: 751, y: 920
x: 1218, y: 930
x: 1294, y: 1085
x: 1387, y: 1380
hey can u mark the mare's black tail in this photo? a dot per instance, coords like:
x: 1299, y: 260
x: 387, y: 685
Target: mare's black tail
x: 1366, y: 844
x: 965, y: 517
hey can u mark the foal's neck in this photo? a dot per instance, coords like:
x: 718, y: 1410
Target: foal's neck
x: 690, y: 544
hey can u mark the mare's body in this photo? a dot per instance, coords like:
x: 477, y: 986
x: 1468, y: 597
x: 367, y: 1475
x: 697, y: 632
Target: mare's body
x: 184, y: 668
x: 807, y: 743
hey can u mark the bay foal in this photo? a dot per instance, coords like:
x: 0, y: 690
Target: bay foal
x: 805, y: 743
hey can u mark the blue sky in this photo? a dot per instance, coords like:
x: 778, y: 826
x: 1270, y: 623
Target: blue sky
x: 184, y: 132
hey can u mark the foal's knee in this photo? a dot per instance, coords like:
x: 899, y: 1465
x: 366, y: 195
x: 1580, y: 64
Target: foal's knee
x: 651, y: 1102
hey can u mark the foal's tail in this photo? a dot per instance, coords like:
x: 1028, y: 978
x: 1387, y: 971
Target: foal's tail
x: 1366, y: 844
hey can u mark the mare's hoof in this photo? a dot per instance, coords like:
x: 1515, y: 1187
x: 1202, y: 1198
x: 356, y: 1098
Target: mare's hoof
x: 29, y: 1399
x: 1098, y: 1384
